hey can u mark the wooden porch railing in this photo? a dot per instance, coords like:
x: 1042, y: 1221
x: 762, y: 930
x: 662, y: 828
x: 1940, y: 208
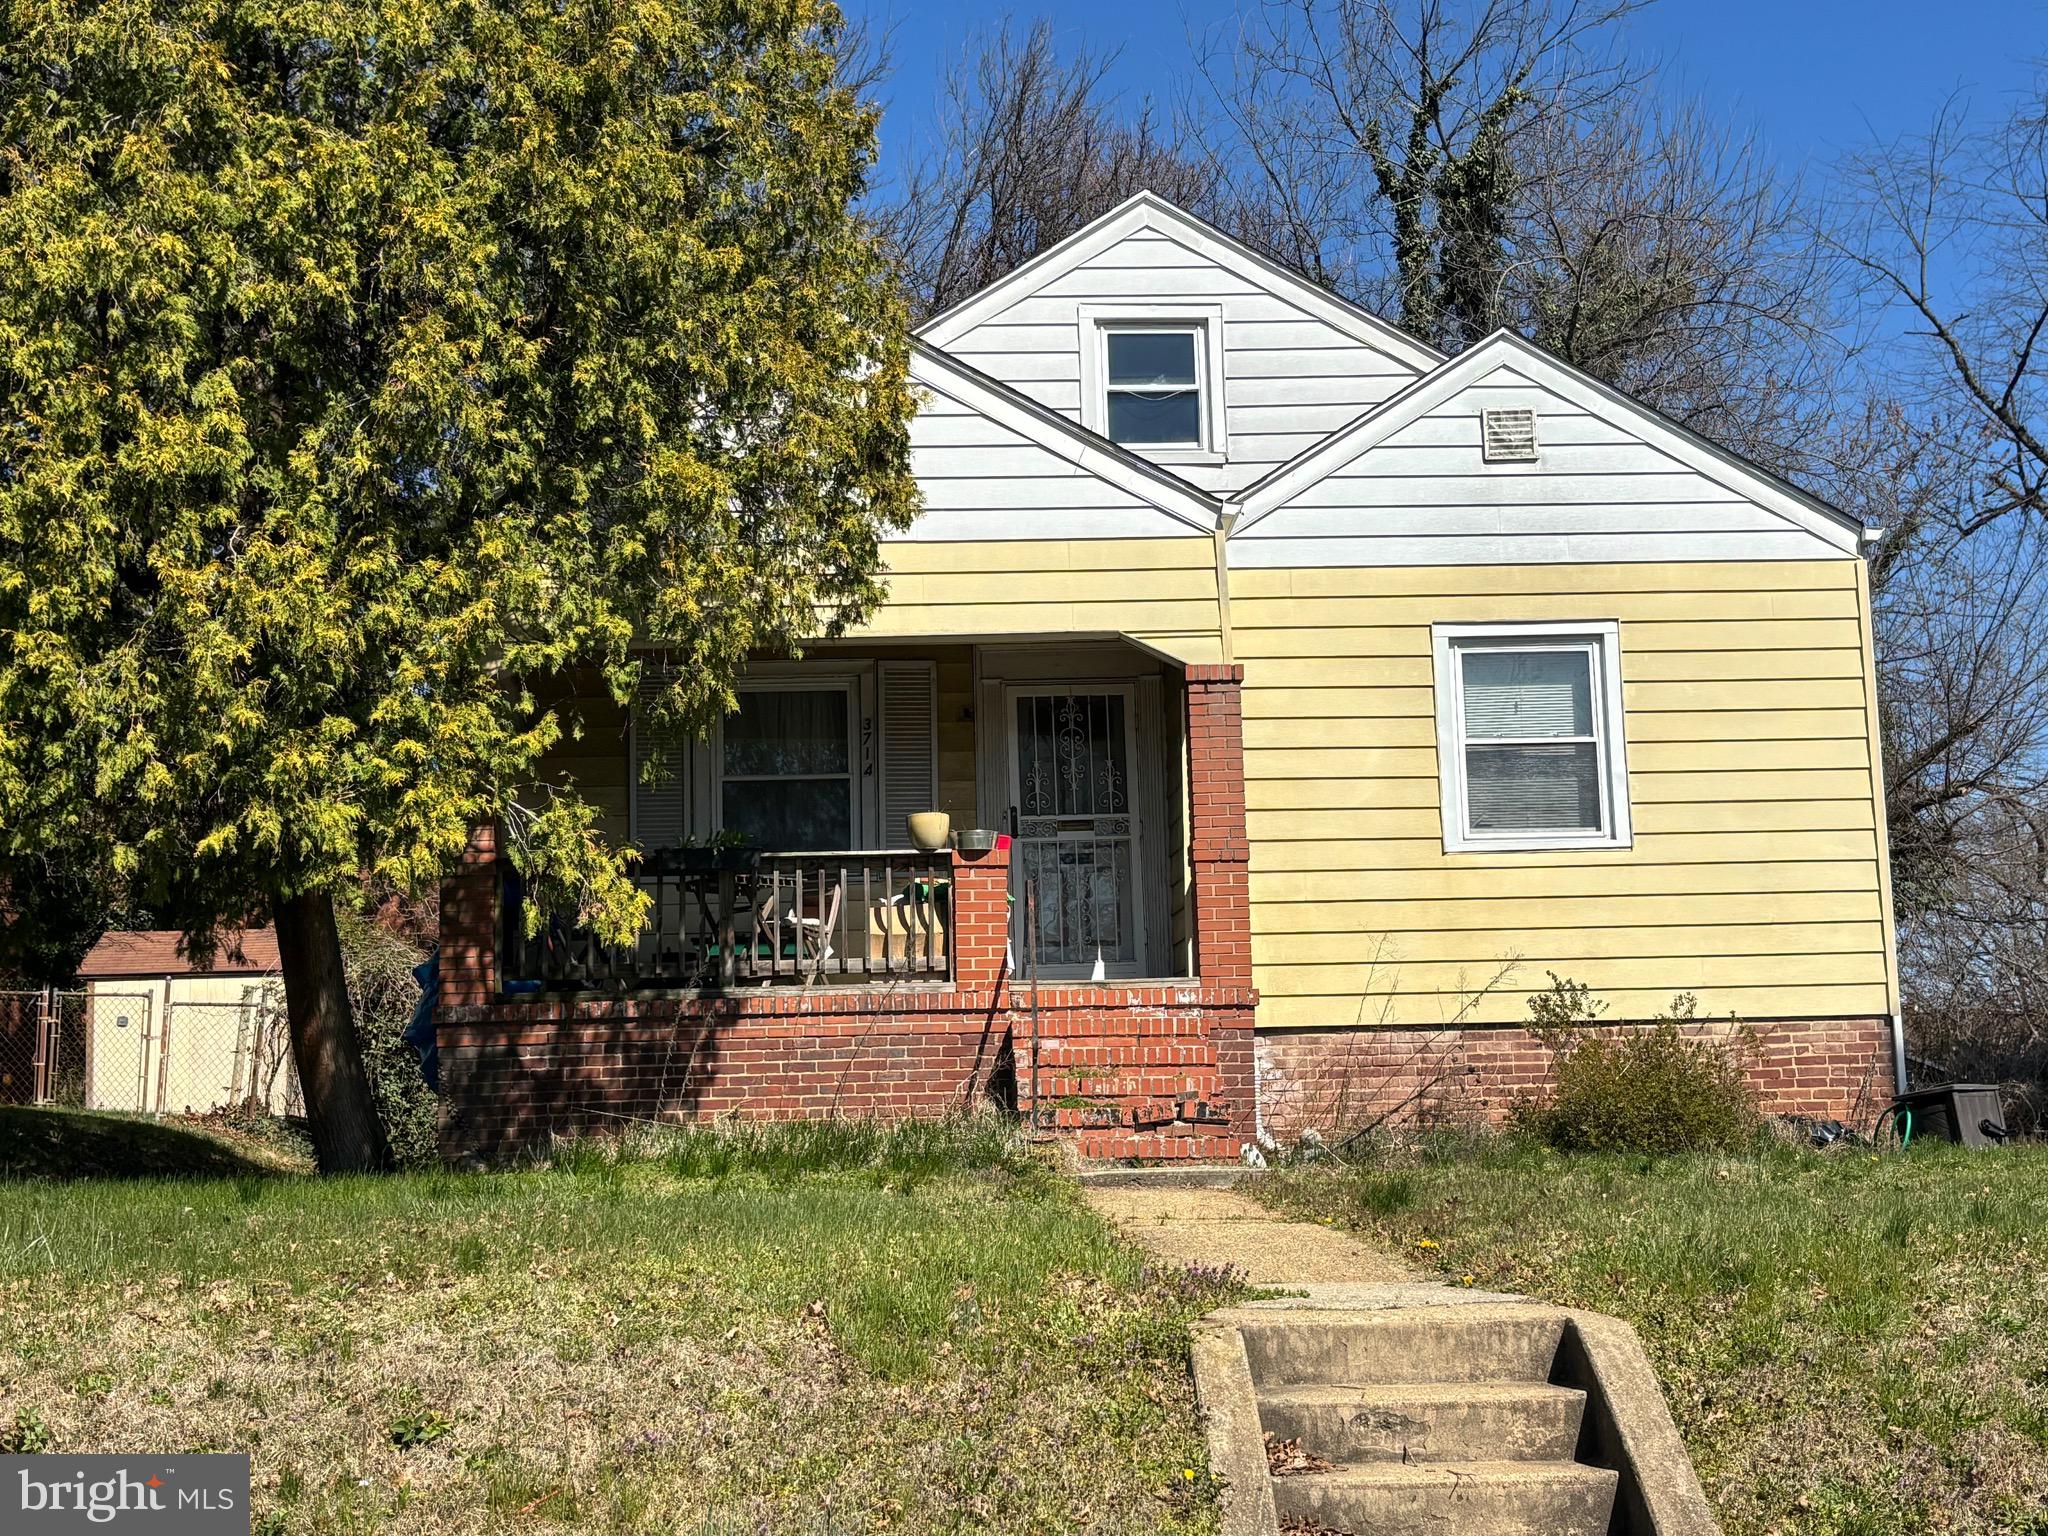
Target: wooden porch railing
x: 722, y: 919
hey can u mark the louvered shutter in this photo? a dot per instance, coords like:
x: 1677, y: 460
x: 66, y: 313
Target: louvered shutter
x: 907, y: 698
x: 660, y: 809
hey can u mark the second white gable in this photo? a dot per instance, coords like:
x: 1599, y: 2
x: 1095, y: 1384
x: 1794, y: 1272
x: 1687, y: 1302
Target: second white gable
x: 1610, y: 483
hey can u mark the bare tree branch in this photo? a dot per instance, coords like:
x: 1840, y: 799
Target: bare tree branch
x: 1030, y: 147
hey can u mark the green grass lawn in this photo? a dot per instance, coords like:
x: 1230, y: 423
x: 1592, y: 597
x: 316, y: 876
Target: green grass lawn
x: 79, y: 1144
x: 807, y: 1332
x: 1850, y: 1343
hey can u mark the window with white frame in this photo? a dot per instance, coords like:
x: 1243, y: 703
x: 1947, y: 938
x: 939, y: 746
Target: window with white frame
x: 1152, y: 378
x: 786, y: 767
x: 1529, y: 736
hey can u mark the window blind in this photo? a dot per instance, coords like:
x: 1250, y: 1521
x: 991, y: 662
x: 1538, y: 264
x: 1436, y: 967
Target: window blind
x: 1551, y: 788
x: 1517, y: 695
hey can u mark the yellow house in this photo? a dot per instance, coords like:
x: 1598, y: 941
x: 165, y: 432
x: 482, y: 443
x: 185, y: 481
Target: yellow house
x: 1327, y: 696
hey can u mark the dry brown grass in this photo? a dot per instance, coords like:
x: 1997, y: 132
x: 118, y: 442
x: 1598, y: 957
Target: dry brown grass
x: 1852, y: 1345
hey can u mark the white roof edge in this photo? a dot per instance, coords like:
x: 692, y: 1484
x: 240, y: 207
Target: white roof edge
x: 1087, y: 451
x: 1319, y: 460
x: 1151, y: 211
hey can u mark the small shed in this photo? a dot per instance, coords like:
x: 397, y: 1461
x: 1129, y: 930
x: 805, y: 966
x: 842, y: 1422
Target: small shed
x: 168, y: 1032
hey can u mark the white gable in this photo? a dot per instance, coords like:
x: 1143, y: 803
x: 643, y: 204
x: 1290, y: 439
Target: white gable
x: 1297, y: 362
x: 1410, y: 484
x: 992, y: 466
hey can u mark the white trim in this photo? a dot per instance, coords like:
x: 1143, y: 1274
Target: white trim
x: 1149, y: 211
x: 1502, y: 349
x: 1087, y: 451
x: 1205, y: 321
x: 1600, y: 636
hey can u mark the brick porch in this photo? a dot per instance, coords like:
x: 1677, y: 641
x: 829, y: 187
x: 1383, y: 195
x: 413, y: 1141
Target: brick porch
x: 1159, y: 1070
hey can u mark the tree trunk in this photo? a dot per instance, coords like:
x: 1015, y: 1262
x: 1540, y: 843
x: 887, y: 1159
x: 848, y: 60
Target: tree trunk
x: 347, y: 1135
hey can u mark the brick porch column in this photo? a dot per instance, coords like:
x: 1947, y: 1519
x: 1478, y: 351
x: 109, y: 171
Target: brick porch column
x: 1219, y: 853
x: 469, y: 923
x: 1219, y: 861
x: 980, y: 930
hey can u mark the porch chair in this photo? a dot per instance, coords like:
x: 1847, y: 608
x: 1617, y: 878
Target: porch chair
x: 814, y: 929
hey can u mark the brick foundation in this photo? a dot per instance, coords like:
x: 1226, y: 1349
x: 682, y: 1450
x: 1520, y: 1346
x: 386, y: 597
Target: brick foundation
x: 1344, y: 1079
x: 515, y: 1073
x: 1152, y: 1070
x: 1126, y: 1071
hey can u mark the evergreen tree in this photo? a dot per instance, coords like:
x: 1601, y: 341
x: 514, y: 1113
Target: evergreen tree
x: 361, y: 360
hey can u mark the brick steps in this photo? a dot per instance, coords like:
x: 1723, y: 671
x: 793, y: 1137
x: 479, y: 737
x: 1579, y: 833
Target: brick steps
x: 1159, y: 1095
x: 1186, y: 1146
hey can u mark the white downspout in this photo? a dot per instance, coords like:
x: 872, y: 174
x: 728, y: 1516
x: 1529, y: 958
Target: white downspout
x: 1223, y: 636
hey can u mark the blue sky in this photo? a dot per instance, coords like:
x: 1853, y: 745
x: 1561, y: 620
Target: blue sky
x: 1816, y: 77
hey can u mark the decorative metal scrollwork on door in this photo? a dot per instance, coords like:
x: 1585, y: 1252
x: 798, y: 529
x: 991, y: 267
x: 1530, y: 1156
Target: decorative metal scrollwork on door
x: 1075, y: 832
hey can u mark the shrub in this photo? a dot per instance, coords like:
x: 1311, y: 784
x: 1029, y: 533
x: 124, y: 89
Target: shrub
x: 382, y: 994
x: 1657, y: 1088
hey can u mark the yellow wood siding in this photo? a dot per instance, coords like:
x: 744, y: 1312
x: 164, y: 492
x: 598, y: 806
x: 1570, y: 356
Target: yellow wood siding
x: 1159, y: 591
x: 1756, y: 877
x: 958, y: 788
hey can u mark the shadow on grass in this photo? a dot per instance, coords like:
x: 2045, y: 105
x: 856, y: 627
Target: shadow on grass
x: 69, y: 1144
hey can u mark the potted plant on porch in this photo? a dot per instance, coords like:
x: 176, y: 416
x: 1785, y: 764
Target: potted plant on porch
x: 929, y: 830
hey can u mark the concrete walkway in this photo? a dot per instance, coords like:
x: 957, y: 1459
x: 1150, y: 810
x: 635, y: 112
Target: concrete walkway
x: 1214, y: 1227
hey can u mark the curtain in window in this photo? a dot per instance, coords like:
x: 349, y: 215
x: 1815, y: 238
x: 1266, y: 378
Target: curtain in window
x: 1523, y: 773
x: 787, y: 780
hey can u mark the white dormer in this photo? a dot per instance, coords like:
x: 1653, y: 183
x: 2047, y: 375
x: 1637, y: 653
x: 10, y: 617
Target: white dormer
x: 1162, y: 334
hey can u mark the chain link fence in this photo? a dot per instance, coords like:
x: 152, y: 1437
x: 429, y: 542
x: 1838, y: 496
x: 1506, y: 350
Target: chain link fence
x: 138, y: 1052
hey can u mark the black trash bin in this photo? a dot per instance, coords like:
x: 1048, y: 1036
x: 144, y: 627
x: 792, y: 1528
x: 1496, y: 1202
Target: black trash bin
x: 1967, y: 1113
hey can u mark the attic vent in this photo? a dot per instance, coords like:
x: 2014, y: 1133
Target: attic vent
x: 1510, y: 436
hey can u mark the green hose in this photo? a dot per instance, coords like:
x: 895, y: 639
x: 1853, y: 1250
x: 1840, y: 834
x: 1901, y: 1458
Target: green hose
x: 1900, y: 1118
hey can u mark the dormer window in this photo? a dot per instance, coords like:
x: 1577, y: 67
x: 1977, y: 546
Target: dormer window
x: 1154, y: 387
x: 1152, y: 379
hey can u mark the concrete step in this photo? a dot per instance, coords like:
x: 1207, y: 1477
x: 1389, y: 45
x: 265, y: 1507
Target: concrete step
x: 1429, y: 1421
x: 1419, y: 1344
x: 1474, y: 1498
